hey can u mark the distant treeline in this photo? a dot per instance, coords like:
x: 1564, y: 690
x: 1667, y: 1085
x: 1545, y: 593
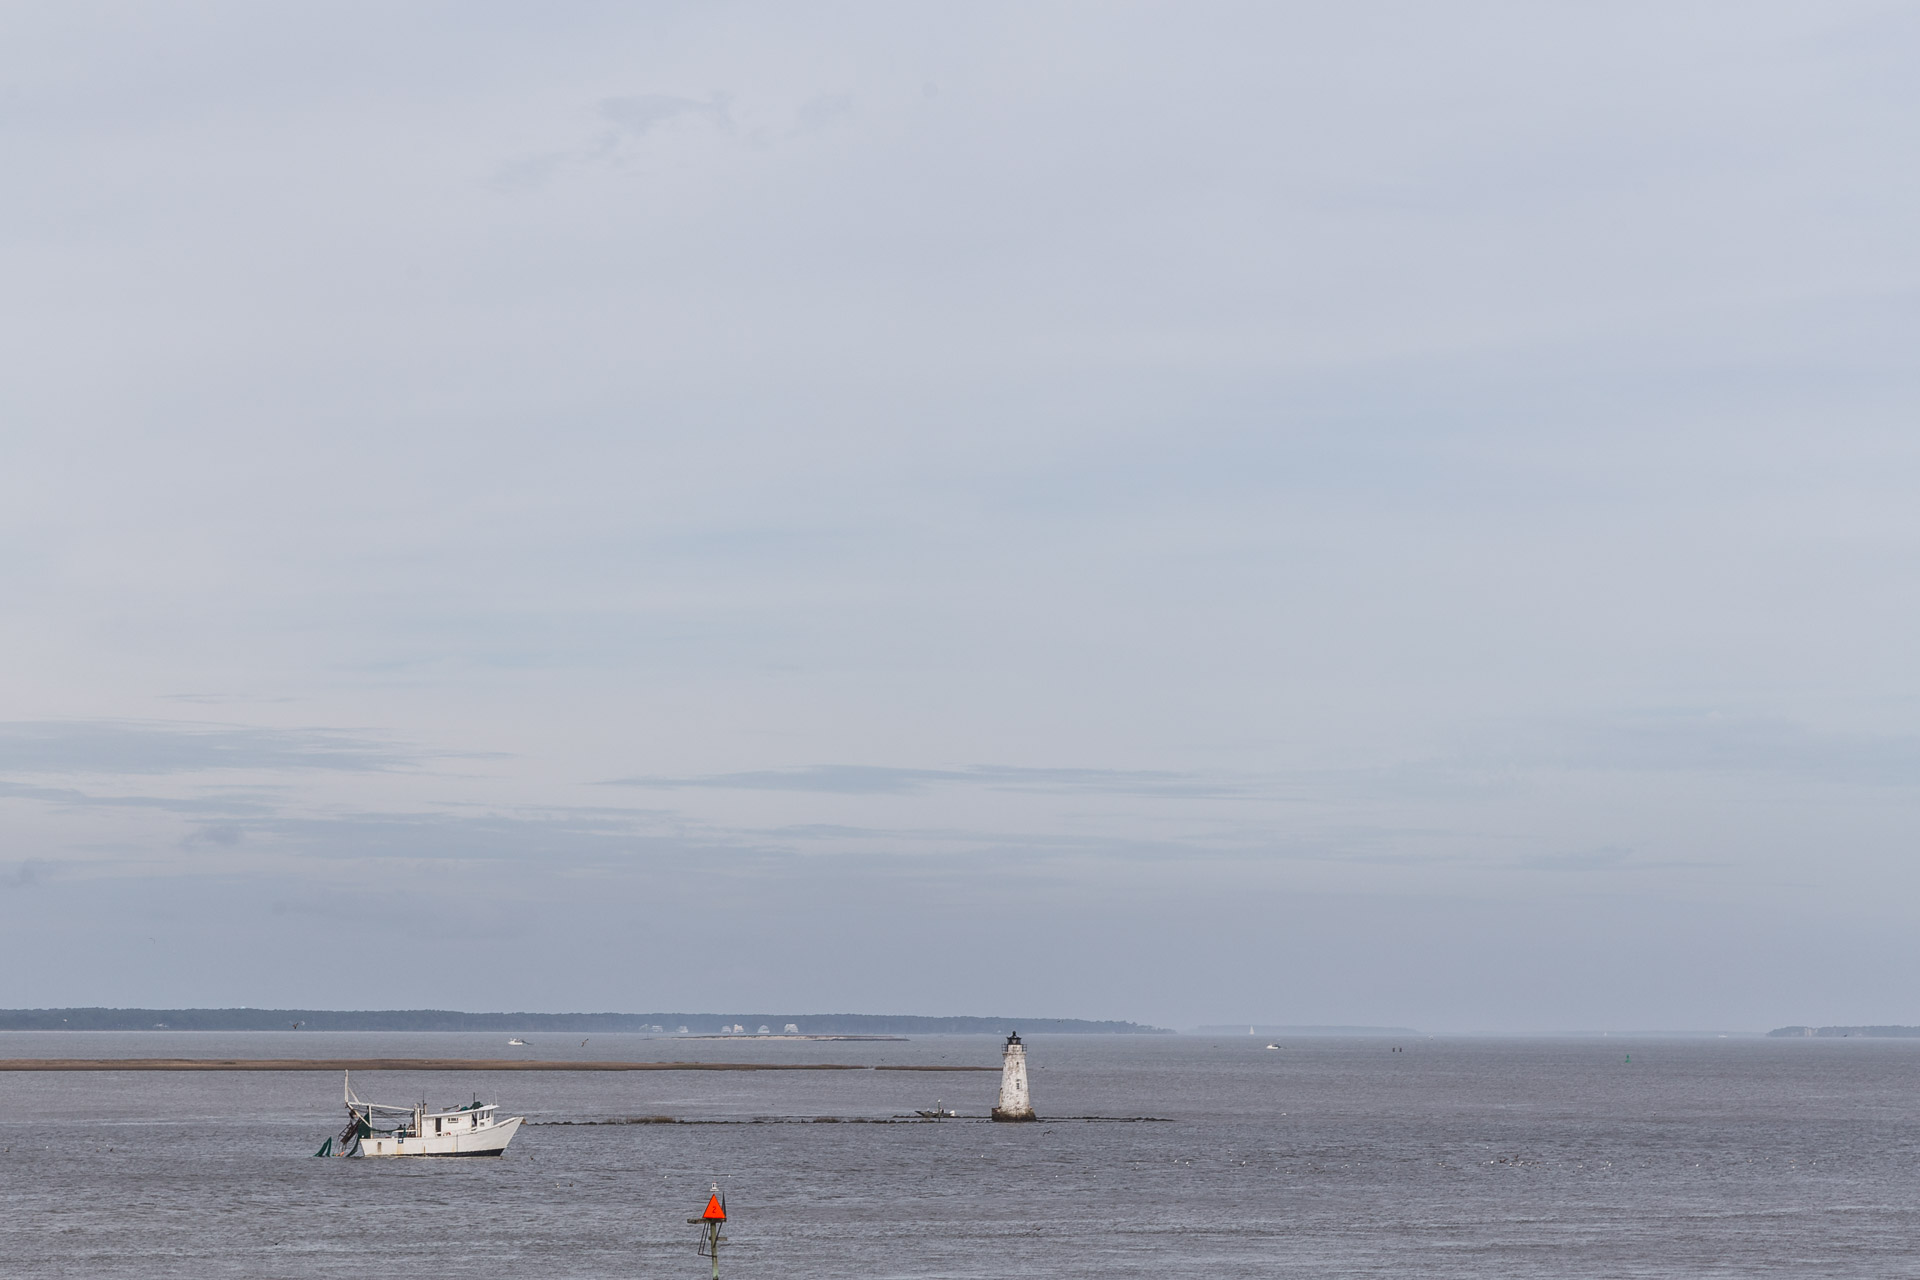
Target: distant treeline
x: 1263, y: 1029
x: 846, y: 1024
x: 1884, y: 1032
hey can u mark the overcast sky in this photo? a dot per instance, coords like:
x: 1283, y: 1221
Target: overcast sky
x: 1363, y: 513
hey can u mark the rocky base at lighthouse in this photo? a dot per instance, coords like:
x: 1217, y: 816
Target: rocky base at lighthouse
x: 1016, y: 1103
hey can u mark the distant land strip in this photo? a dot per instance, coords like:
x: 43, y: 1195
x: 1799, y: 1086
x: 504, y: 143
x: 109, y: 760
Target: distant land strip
x: 1262, y: 1029
x: 1884, y: 1033
x: 101, y: 1019
x: 426, y: 1064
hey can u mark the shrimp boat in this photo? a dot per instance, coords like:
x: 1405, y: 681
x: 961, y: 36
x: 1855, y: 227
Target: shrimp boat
x: 375, y: 1129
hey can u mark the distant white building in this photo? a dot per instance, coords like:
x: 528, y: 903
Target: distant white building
x: 793, y: 1028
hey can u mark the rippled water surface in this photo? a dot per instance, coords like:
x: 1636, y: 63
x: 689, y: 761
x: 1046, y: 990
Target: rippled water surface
x: 1455, y: 1157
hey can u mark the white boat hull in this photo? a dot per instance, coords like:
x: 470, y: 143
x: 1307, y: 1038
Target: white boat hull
x: 490, y: 1141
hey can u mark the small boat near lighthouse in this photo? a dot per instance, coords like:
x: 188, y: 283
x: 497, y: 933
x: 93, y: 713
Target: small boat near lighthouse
x: 377, y: 1129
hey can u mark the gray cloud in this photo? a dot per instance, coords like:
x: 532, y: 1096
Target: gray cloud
x: 557, y: 839
x: 25, y: 874
x: 640, y: 114
x: 160, y: 747
x: 222, y: 699
x: 528, y: 173
x: 1714, y: 743
x: 235, y: 801
x: 822, y: 112
x: 873, y: 780
x: 632, y: 116
x: 1604, y: 858
x: 1612, y: 860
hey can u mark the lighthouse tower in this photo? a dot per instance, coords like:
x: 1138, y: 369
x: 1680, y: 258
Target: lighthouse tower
x: 1015, y: 1102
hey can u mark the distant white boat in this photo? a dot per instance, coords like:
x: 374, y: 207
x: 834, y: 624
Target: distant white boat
x: 472, y: 1130
x: 517, y: 1040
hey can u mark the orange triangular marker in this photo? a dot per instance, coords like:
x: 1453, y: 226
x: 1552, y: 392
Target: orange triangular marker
x: 715, y: 1212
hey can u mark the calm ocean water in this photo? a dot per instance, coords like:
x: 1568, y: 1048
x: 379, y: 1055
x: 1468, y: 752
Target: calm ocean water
x: 1456, y: 1157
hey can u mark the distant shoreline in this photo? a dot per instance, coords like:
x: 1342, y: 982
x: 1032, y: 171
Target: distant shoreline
x: 772, y: 1035
x: 1888, y: 1032
x: 429, y: 1064
x: 706, y: 1025
x: 1267, y: 1029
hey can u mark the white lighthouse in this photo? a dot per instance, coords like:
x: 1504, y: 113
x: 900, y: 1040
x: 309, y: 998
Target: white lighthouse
x: 1015, y: 1102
